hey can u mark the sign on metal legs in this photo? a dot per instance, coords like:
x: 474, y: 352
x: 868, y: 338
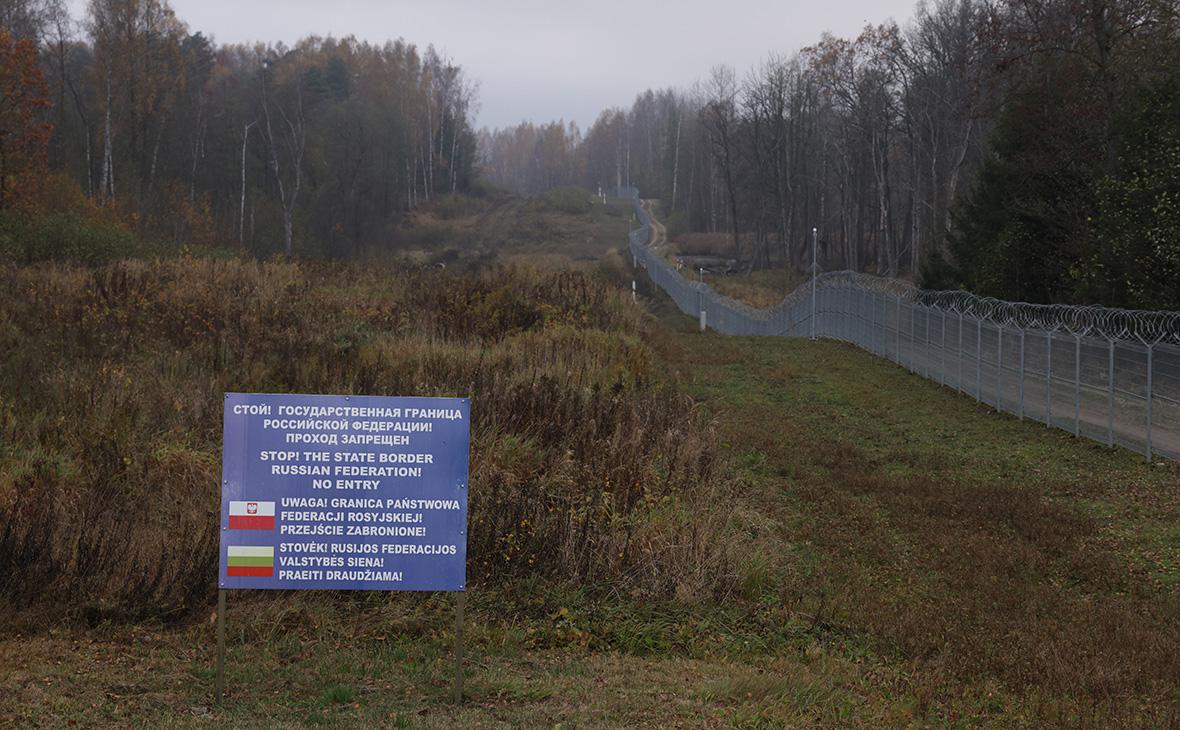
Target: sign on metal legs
x: 343, y: 493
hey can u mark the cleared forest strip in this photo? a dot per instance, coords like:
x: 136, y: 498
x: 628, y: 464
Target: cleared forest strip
x: 997, y: 560
x: 881, y: 316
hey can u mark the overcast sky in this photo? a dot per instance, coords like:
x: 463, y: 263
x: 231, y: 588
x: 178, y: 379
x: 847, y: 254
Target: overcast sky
x: 555, y: 59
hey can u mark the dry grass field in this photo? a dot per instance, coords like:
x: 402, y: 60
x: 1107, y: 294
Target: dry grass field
x: 668, y: 529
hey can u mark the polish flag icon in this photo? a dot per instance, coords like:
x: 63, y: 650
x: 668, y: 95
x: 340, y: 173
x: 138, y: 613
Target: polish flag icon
x: 251, y: 515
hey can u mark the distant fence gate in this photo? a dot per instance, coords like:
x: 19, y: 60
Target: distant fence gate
x: 1111, y: 375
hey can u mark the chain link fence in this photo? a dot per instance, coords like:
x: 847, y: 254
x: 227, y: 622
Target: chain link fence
x: 1110, y: 375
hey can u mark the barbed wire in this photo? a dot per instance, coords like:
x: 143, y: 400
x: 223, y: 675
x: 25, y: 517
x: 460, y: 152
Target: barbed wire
x: 1146, y: 327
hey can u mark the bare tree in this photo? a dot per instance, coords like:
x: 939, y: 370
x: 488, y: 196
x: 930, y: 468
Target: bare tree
x: 290, y: 142
x: 720, y: 119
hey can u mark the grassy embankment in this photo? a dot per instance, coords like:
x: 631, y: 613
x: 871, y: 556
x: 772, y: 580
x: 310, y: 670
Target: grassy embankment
x: 892, y: 554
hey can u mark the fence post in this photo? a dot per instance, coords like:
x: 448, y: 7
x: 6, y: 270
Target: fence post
x: 858, y: 308
x: 848, y: 316
x: 1077, y: 386
x: 841, y: 316
x: 1150, y: 387
x: 883, y: 334
x: 845, y: 317
x: 863, y: 329
x: 999, y: 363
x: 701, y: 293
x: 843, y: 324
x: 814, y: 270
x: 929, y: 355
x: 926, y: 342
x: 1048, y: 377
x: 1110, y: 388
x: 853, y: 318
x: 898, y: 353
x: 1022, y: 373
x: 913, y: 336
x: 872, y: 327
x: 961, y: 390
x: 978, y: 360
x: 942, y: 348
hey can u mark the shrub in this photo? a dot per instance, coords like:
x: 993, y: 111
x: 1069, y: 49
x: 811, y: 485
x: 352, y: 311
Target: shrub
x: 678, y: 225
x: 426, y: 235
x: 63, y: 237
x: 574, y: 201
x: 449, y: 207
x: 584, y: 466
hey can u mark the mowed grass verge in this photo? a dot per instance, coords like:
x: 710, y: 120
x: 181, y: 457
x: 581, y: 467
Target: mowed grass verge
x: 1013, y: 574
x: 367, y: 661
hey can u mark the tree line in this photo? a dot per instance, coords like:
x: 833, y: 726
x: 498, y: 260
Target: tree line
x: 316, y: 148
x: 1024, y: 149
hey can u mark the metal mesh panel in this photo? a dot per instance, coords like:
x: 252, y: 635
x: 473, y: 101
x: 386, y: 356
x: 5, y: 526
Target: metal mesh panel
x: 910, y: 343
x: 1094, y: 390
x: 1130, y: 390
x: 918, y: 339
x: 891, y: 312
x: 1107, y: 374
x: 1063, y: 381
x: 989, y: 352
x: 952, y: 341
x: 1010, y: 387
x: 970, y: 371
x: 1036, y: 368
x: 1166, y: 401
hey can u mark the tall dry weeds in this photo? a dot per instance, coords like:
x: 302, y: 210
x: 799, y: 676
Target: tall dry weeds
x: 584, y: 466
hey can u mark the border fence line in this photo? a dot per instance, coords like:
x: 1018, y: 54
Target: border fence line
x: 1111, y: 375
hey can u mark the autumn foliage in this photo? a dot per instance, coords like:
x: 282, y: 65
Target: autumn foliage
x: 24, y: 136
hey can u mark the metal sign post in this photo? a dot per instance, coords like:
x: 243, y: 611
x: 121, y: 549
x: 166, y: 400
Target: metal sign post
x: 701, y: 298
x: 814, y: 274
x: 220, y: 680
x: 460, y: 605
x: 344, y: 493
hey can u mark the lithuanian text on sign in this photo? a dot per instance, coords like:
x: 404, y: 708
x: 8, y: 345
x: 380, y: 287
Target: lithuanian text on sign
x: 344, y: 492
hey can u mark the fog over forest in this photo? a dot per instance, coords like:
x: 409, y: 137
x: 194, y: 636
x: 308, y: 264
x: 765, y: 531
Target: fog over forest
x: 1023, y: 150
x: 614, y: 364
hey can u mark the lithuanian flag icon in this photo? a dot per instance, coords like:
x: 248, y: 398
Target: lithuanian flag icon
x: 254, y: 562
x: 251, y: 515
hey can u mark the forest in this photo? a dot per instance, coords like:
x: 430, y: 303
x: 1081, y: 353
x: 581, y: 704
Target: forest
x: 665, y: 526
x: 1022, y: 149
x: 126, y: 128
